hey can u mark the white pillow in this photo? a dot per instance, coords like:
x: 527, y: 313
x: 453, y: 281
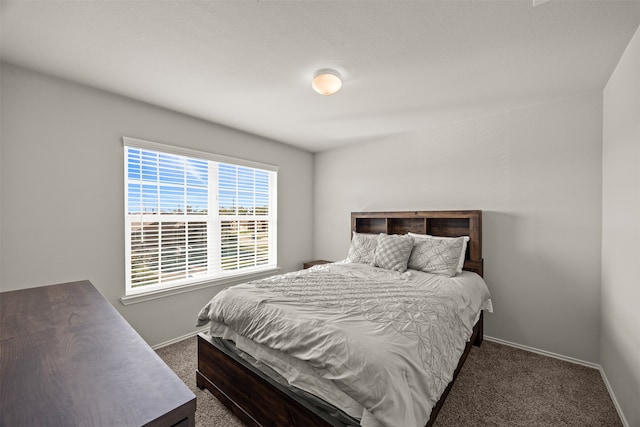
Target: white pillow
x: 392, y: 252
x: 362, y: 248
x: 435, y: 254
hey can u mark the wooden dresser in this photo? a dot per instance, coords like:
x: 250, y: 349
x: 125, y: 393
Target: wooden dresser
x: 68, y: 358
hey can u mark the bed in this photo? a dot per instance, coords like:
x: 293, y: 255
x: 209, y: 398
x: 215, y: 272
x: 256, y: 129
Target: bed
x: 254, y: 380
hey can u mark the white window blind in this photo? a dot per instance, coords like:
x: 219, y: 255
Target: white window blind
x: 192, y: 217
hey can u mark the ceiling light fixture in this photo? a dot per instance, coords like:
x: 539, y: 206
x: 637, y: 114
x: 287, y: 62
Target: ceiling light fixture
x: 326, y: 81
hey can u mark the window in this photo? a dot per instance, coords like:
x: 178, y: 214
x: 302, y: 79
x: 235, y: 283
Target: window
x: 192, y: 217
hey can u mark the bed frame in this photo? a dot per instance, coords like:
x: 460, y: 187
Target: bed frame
x: 258, y: 400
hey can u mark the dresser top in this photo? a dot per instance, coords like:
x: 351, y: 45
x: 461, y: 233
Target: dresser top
x: 67, y: 357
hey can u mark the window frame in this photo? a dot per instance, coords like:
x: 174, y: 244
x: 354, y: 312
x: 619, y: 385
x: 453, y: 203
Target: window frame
x: 213, y: 218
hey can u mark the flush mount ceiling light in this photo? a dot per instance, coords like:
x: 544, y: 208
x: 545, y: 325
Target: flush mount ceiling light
x: 326, y: 81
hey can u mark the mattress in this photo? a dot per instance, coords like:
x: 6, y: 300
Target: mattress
x: 378, y: 344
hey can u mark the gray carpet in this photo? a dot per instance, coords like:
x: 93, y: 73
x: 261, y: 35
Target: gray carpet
x: 498, y: 386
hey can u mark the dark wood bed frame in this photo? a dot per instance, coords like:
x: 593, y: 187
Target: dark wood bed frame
x: 258, y: 400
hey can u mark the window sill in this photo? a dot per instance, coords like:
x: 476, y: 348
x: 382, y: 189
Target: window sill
x: 222, y: 282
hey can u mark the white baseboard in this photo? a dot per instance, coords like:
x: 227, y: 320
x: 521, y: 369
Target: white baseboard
x: 571, y: 360
x: 544, y: 352
x: 613, y: 398
x: 180, y: 338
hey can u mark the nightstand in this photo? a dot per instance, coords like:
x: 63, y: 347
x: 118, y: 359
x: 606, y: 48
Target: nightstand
x: 310, y: 264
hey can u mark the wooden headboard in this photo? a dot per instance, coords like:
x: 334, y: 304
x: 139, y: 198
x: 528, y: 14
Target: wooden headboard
x: 435, y: 223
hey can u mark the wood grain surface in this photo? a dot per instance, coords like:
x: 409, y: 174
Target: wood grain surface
x: 68, y: 358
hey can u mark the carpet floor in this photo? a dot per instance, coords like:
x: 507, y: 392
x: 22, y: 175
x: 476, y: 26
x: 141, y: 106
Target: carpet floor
x: 498, y: 386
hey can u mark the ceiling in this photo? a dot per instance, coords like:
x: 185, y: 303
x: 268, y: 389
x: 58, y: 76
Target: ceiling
x: 406, y: 65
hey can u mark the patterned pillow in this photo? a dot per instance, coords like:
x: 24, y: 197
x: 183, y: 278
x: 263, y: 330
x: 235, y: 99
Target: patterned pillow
x: 439, y: 255
x: 451, y: 239
x: 392, y: 252
x: 362, y: 248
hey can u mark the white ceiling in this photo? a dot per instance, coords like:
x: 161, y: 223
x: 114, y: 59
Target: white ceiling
x: 407, y: 65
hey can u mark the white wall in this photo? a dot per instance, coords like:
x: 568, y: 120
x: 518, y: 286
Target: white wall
x: 62, y: 174
x: 536, y: 174
x: 620, y: 338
